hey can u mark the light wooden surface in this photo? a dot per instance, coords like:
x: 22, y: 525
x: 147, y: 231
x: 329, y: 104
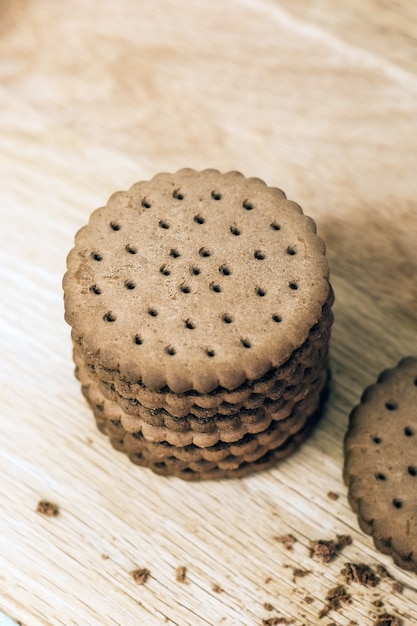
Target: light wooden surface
x: 318, y: 98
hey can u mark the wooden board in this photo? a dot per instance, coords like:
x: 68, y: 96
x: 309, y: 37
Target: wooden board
x: 318, y: 99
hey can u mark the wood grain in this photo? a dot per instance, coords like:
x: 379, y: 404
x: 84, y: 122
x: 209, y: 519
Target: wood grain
x: 316, y: 98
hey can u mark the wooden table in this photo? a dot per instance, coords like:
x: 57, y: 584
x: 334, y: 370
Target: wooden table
x: 318, y: 98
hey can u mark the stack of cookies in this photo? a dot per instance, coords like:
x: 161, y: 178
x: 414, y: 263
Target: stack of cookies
x: 200, y: 309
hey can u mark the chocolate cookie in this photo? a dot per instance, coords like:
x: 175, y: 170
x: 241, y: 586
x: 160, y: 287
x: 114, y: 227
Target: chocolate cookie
x: 195, y: 280
x: 200, y: 308
x: 381, y: 462
x: 303, y: 362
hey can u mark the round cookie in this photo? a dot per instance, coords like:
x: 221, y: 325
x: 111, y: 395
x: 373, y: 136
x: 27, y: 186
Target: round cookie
x: 194, y: 281
x: 380, y: 465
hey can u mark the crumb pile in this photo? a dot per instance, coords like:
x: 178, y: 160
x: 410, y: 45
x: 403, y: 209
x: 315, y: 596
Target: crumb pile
x: 200, y: 308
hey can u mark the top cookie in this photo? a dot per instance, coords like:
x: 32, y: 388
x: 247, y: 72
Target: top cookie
x: 195, y: 280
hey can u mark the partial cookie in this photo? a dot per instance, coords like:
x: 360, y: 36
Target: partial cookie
x: 251, y: 394
x: 243, y: 419
x: 253, y: 444
x: 228, y: 467
x: 159, y: 426
x: 194, y: 281
x: 381, y: 462
x: 174, y: 467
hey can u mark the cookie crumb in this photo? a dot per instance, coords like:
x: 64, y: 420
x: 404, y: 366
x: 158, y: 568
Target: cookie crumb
x: 382, y: 572
x: 360, y: 573
x: 140, y: 575
x: 309, y: 600
x: 378, y: 603
x: 268, y: 606
x: 298, y: 572
x: 323, y: 549
x: 273, y: 621
x: 327, y: 550
x: 343, y: 541
x: 287, y: 541
x: 181, y: 574
x: 216, y: 588
x: 387, y: 620
x: 332, y: 495
x: 397, y: 587
x: 105, y: 557
x: 267, y: 580
x: 49, y: 509
x: 335, y: 598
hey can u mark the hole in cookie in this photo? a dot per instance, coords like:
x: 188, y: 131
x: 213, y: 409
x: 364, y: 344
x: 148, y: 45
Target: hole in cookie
x: 235, y: 231
x: 259, y: 255
x: 227, y: 319
x: 215, y: 287
x: 131, y: 249
x: 146, y: 204
x: 195, y: 271
x: 248, y: 206
x: 177, y: 194
x: 412, y: 470
x: 408, y: 432
x: 174, y: 253
x: 170, y: 350
x: 275, y: 226
x: 204, y: 252
x: 164, y: 270
x: 152, y: 312
x: 291, y: 251
x: 129, y: 284
x: 293, y: 285
x: 163, y: 224
x: 277, y: 318
x: 376, y: 439
x: 185, y: 288
x: 95, y: 289
x: 138, y: 340
x: 380, y: 476
x: 223, y: 269
x: 246, y: 343
x: 397, y: 503
x: 216, y: 195
x: 109, y: 317
x: 391, y: 405
x: 189, y: 324
x: 199, y: 219
x: 115, y: 226
x: 260, y: 292
x: 96, y: 256
x: 210, y: 353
